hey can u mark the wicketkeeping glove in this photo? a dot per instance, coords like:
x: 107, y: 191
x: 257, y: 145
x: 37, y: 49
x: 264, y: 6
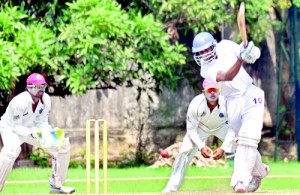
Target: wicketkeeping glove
x: 250, y: 53
x: 51, y: 137
x: 35, y: 132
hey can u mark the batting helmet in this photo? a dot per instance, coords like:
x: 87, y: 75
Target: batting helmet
x: 202, y: 42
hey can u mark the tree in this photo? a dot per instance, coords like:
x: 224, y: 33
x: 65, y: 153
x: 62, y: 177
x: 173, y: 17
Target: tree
x: 23, y: 46
x: 98, y: 43
x: 103, y: 43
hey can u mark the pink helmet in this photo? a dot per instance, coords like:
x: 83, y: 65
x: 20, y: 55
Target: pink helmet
x: 36, y: 79
x: 208, y: 84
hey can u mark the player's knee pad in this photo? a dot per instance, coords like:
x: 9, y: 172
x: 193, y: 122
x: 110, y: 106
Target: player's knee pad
x: 244, y: 162
x: 186, y: 145
x: 246, y: 141
x: 10, y: 152
x: 66, y: 147
x: 7, y: 158
x: 181, y: 160
x: 245, y: 156
x: 183, y: 156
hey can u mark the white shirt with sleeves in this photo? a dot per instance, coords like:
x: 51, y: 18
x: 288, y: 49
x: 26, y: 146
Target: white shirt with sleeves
x: 199, y: 118
x: 227, y: 52
x: 20, y: 118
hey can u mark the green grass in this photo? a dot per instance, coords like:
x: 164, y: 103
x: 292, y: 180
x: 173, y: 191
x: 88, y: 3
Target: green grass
x: 283, y: 177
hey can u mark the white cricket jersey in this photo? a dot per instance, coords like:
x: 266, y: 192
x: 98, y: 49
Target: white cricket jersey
x: 19, y: 116
x: 199, y: 118
x: 227, y: 51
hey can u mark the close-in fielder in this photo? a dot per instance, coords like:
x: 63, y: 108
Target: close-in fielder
x: 206, y: 116
x: 222, y: 62
x: 26, y: 114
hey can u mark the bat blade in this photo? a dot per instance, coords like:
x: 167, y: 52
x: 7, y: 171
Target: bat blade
x: 242, y: 23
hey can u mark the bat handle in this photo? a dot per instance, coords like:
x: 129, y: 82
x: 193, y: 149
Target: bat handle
x: 245, y: 44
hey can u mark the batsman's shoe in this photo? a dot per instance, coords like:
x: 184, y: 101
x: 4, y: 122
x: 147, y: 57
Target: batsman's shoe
x: 61, y: 190
x: 239, y: 187
x: 256, y: 181
x: 166, y: 190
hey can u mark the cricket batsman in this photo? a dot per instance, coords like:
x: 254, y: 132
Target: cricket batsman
x: 222, y: 63
x: 26, y: 121
x: 206, y: 116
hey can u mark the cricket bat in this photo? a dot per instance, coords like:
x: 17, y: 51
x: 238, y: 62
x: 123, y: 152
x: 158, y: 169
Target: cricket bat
x: 242, y: 23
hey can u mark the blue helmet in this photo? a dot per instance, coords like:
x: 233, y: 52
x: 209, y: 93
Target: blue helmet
x: 204, y: 41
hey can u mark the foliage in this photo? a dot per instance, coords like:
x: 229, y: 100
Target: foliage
x: 23, y: 47
x: 9, y: 25
x: 296, y: 3
x: 77, y: 163
x: 284, y: 4
x: 204, y: 15
x: 104, y: 50
x: 103, y: 43
x: 257, y: 17
x: 40, y: 157
x: 86, y: 42
x: 209, y: 15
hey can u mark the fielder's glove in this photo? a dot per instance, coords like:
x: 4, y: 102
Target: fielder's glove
x: 250, y: 53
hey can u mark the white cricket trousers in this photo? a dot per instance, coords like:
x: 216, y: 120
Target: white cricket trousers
x: 186, y: 153
x: 245, y: 113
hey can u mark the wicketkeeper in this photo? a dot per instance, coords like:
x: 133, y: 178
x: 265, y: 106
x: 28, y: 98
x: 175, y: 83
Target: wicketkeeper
x: 206, y: 116
x: 222, y: 62
x: 26, y: 121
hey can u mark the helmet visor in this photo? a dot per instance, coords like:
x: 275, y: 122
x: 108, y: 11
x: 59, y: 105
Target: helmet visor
x: 206, y: 55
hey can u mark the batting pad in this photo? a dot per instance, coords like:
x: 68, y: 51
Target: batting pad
x: 259, y: 169
x: 244, y: 162
x: 60, y: 164
x: 7, y: 159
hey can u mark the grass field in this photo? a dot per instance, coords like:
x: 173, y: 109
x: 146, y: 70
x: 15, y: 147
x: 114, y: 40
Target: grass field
x: 284, y: 178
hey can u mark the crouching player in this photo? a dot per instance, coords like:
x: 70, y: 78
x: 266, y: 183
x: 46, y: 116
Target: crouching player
x: 25, y: 117
x: 206, y: 116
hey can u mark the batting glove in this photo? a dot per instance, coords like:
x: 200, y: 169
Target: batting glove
x: 250, y: 53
